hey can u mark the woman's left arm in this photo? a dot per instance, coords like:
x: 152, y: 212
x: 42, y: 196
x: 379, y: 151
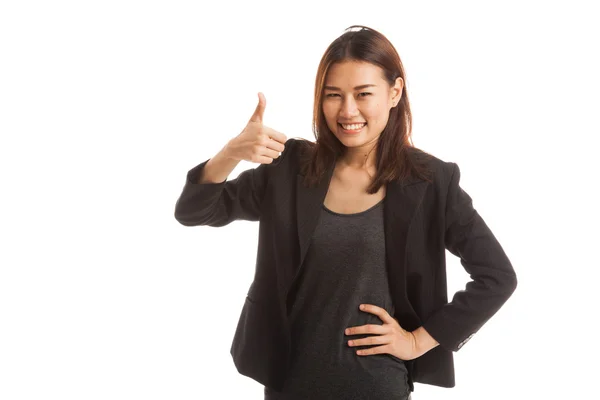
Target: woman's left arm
x: 494, y: 280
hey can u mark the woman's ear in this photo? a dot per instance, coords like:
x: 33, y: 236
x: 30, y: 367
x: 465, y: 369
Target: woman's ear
x: 398, y: 89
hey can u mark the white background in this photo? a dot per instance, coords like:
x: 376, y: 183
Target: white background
x: 105, y: 106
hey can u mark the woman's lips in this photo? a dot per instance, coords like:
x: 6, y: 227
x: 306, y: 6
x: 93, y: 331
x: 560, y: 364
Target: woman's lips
x: 351, y: 131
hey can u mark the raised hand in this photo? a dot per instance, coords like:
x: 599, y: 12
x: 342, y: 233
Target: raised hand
x: 257, y: 142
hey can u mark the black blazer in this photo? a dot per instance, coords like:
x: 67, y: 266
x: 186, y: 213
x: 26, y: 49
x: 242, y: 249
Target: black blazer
x: 421, y: 221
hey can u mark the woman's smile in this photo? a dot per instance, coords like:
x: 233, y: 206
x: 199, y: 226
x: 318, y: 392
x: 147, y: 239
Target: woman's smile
x: 353, y: 129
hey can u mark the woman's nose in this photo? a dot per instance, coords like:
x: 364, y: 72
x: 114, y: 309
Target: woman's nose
x: 349, y: 108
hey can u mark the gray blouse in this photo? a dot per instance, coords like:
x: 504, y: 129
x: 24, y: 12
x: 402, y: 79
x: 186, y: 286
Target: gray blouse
x: 344, y: 267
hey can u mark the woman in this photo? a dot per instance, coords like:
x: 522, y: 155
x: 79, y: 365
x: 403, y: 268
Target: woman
x: 360, y: 217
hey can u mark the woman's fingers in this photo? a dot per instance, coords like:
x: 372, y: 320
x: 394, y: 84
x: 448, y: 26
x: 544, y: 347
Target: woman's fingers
x: 380, y: 312
x: 383, y: 349
x: 272, y: 154
x: 277, y: 139
x: 275, y: 145
x: 370, y: 328
x: 371, y: 340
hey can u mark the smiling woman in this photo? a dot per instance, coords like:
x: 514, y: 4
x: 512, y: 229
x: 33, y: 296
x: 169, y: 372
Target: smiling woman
x: 357, y: 117
x: 360, y: 217
x: 362, y: 114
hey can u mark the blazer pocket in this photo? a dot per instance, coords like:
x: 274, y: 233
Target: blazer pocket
x: 258, y: 347
x: 256, y: 292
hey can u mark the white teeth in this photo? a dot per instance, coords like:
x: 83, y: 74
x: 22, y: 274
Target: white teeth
x: 353, y: 127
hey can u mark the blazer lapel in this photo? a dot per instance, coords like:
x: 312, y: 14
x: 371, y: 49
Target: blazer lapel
x: 308, y: 209
x: 400, y: 204
x: 400, y: 207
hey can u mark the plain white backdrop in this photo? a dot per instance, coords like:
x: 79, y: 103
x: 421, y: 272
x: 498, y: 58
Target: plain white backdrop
x: 105, y: 106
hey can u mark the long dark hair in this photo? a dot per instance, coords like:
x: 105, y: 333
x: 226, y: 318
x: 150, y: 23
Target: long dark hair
x: 397, y: 158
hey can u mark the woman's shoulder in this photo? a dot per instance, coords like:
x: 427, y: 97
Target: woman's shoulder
x: 300, y: 144
x: 296, y: 148
x: 444, y: 172
x: 299, y: 148
x: 434, y: 163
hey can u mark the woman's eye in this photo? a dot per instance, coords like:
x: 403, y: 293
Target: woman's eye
x: 335, y: 94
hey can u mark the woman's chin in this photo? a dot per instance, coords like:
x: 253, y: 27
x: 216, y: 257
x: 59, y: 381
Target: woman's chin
x: 349, y: 138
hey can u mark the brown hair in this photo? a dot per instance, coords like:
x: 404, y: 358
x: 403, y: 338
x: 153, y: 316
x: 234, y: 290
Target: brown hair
x: 397, y: 158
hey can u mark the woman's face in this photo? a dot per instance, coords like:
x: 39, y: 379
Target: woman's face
x: 345, y: 101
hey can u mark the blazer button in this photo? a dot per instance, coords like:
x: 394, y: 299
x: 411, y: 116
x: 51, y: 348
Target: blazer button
x: 465, y: 341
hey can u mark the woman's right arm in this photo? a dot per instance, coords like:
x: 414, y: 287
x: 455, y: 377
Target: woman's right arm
x: 209, y: 199
x: 218, y: 168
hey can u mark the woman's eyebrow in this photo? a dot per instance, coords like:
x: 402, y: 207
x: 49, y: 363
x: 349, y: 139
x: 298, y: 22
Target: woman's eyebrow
x: 356, y: 88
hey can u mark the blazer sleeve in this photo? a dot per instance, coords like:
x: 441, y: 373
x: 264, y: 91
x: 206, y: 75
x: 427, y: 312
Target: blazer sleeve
x: 493, y: 278
x: 218, y: 204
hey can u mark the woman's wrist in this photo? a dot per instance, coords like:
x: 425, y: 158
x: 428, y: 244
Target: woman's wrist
x: 423, y: 341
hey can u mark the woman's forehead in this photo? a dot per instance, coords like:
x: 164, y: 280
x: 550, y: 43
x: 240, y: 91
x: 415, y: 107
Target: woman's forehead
x: 353, y: 75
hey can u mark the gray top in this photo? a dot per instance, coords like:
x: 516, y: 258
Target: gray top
x: 344, y: 267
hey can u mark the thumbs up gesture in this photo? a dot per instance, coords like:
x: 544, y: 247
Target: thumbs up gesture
x: 257, y: 142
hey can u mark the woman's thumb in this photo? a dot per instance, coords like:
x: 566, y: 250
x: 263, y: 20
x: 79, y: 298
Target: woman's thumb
x: 260, y: 109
